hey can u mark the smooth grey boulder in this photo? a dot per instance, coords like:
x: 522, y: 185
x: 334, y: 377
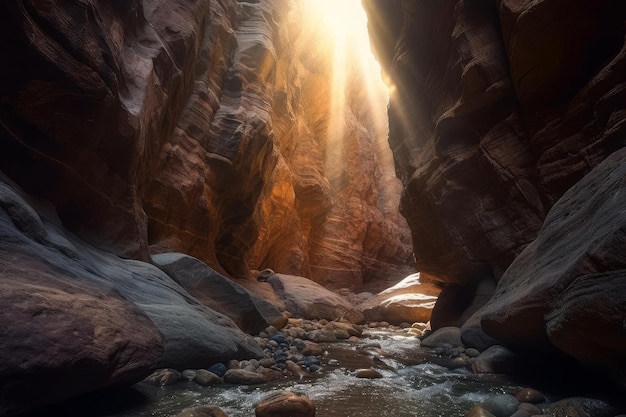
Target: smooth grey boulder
x: 251, y: 313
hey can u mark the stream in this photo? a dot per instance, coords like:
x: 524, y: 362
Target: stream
x: 416, y: 382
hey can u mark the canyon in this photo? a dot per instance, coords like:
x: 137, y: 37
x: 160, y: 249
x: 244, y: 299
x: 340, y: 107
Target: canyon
x: 160, y: 156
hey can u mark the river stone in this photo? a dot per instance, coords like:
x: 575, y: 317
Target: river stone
x: 581, y: 407
x: 203, y: 411
x: 218, y: 369
x: 500, y: 405
x: 531, y: 409
x: 444, y: 337
x: 496, y: 359
x: 529, y: 395
x: 206, y: 378
x: 244, y: 377
x: 521, y: 413
x: 368, y: 373
x: 164, y: 377
x: 285, y: 404
x: 478, y: 411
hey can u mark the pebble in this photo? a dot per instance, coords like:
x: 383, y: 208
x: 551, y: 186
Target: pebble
x: 529, y: 395
x: 206, y: 378
x: 368, y: 373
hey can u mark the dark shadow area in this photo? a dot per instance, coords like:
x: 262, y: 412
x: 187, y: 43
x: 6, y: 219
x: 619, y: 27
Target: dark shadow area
x: 105, y: 402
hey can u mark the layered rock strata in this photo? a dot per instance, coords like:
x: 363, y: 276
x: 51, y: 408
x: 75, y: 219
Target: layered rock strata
x: 499, y: 108
x: 201, y: 128
x: 76, y: 318
x: 501, y: 112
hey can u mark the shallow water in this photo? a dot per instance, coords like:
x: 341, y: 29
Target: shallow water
x: 415, y: 383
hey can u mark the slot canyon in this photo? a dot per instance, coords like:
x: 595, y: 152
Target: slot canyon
x: 191, y: 185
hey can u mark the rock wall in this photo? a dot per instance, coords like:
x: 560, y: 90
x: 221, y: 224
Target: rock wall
x: 500, y: 107
x: 508, y: 128
x: 198, y: 127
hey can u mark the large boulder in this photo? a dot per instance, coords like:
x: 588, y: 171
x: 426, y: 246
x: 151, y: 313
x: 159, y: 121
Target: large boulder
x: 75, y: 318
x: 408, y: 301
x: 307, y: 299
x: 567, y: 288
x: 251, y: 313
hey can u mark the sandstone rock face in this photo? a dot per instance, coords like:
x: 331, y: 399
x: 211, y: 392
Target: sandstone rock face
x: 407, y: 301
x: 567, y: 287
x: 75, y: 318
x: 499, y: 108
x: 199, y: 127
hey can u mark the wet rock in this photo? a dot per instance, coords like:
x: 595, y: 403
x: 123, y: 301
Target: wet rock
x: 218, y: 369
x: 582, y: 407
x: 443, y: 337
x: 521, y: 413
x: 496, y: 359
x: 164, y: 377
x: 368, y: 373
x: 203, y: 411
x: 500, y: 405
x: 206, y: 378
x: 531, y: 409
x: 529, y: 395
x: 285, y: 404
x: 321, y: 336
x: 244, y: 377
x: 189, y: 374
x: 478, y: 411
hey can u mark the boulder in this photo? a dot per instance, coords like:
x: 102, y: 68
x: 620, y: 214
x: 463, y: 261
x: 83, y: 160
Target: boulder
x: 307, y: 299
x: 582, y: 407
x: 567, y: 288
x: 285, y: 404
x: 251, y: 313
x: 407, y: 301
x: 77, y: 318
x: 444, y: 337
x: 496, y: 359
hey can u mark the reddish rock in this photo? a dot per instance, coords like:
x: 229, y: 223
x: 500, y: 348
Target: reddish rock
x: 407, y: 301
x: 285, y: 404
x: 488, y: 130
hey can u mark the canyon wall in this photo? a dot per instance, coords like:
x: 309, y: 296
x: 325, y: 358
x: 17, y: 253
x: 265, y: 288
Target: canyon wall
x: 501, y: 112
x: 200, y: 127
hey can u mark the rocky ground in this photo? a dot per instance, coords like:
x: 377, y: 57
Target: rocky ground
x: 301, y: 350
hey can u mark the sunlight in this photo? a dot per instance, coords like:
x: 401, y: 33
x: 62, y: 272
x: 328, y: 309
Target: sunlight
x: 346, y: 41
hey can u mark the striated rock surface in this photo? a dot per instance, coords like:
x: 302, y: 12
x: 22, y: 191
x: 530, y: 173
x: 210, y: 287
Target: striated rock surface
x: 408, y: 301
x: 201, y: 127
x: 499, y: 108
x: 566, y: 289
x: 75, y: 318
x: 500, y: 113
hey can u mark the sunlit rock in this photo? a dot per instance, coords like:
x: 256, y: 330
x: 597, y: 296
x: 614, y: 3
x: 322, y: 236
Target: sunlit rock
x: 488, y: 131
x: 407, y: 301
